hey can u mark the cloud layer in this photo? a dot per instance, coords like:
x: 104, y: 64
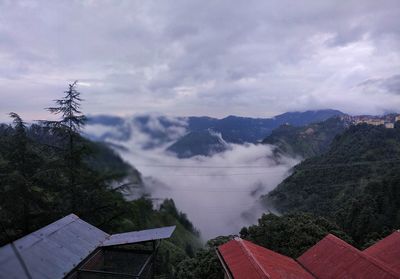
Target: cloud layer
x: 220, y: 194
x: 254, y: 58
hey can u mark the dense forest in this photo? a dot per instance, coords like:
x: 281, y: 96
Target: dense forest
x: 306, y: 141
x: 48, y: 170
x: 356, y: 183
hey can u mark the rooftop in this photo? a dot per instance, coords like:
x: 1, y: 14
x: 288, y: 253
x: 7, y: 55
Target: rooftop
x: 387, y: 251
x: 330, y: 258
x: 55, y: 250
x: 247, y: 260
x: 334, y: 258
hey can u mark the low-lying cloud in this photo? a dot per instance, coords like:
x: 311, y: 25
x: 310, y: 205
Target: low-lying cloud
x: 219, y: 193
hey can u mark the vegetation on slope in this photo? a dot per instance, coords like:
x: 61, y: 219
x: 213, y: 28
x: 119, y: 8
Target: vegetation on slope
x: 205, y: 264
x: 306, y: 141
x: 291, y: 234
x: 49, y: 170
x: 356, y: 183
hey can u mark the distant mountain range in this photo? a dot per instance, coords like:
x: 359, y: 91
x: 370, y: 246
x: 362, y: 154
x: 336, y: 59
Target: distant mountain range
x: 190, y: 136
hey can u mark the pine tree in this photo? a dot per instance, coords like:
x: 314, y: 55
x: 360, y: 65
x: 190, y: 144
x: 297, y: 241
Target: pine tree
x: 20, y: 160
x: 68, y: 128
x: 68, y: 107
x: 19, y: 166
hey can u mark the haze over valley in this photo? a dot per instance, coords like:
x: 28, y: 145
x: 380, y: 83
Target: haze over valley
x: 219, y: 191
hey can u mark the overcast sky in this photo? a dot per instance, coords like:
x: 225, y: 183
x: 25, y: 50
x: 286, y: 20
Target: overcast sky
x: 181, y: 57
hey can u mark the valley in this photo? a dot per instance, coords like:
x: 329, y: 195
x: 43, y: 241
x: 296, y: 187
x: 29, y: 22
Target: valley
x: 213, y: 176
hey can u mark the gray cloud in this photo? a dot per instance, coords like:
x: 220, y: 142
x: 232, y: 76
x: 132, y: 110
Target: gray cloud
x: 255, y: 58
x: 219, y: 193
x: 389, y: 85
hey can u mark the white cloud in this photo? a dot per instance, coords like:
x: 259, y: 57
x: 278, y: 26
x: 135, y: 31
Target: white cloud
x: 254, y: 58
x: 218, y: 193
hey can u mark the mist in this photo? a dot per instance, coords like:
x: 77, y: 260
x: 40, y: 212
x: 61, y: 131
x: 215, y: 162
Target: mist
x: 219, y: 193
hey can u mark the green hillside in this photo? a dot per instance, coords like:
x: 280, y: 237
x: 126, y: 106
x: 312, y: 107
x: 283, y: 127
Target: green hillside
x: 356, y: 183
x: 37, y: 187
x: 306, y: 141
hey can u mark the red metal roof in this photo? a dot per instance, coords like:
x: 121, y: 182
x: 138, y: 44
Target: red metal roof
x: 247, y: 260
x: 387, y: 250
x: 334, y: 258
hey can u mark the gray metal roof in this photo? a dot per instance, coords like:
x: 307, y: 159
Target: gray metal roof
x: 52, y: 251
x: 139, y: 236
x: 55, y: 250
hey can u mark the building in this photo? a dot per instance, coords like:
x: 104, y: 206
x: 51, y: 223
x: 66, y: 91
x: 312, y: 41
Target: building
x: 389, y: 125
x: 397, y: 118
x: 243, y: 259
x: 334, y: 258
x: 73, y: 249
x: 329, y: 258
x: 375, y: 122
x: 387, y: 251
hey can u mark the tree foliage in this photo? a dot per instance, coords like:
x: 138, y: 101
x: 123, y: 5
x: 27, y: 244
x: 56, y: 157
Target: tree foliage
x: 68, y: 127
x: 68, y: 108
x: 43, y: 177
x: 205, y: 264
x: 306, y: 141
x: 292, y: 234
x: 356, y: 183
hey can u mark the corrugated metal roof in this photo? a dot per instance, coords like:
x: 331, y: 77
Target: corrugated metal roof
x: 52, y: 251
x: 10, y: 267
x: 247, y: 260
x: 333, y: 258
x: 55, y: 250
x: 139, y: 236
x: 387, y: 250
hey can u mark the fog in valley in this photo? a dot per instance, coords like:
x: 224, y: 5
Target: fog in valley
x: 219, y: 193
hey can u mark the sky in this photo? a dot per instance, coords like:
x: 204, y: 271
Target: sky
x: 189, y: 57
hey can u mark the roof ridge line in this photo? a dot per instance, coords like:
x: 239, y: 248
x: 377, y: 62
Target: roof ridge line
x: 305, y: 268
x: 253, y: 260
x: 369, y: 258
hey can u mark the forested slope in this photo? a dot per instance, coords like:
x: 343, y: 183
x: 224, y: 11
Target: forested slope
x: 48, y: 170
x: 306, y: 141
x: 356, y: 183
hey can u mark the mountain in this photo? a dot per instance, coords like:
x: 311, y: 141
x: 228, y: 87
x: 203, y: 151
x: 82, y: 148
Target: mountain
x: 156, y: 131
x: 304, y: 118
x: 205, y: 142
x: 306, y: 141
x: 356, y: 183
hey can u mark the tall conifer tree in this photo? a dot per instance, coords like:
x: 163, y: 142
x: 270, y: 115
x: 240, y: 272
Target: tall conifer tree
x: 70, y: 124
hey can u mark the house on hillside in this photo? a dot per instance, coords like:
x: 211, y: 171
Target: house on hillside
x: 375, y: 122
x: 389, y: 125
x: 329, y: 258
x: 73, y: 249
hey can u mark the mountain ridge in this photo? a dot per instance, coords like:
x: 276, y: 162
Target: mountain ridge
x: 163, y: 130
x: 306, y: 141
